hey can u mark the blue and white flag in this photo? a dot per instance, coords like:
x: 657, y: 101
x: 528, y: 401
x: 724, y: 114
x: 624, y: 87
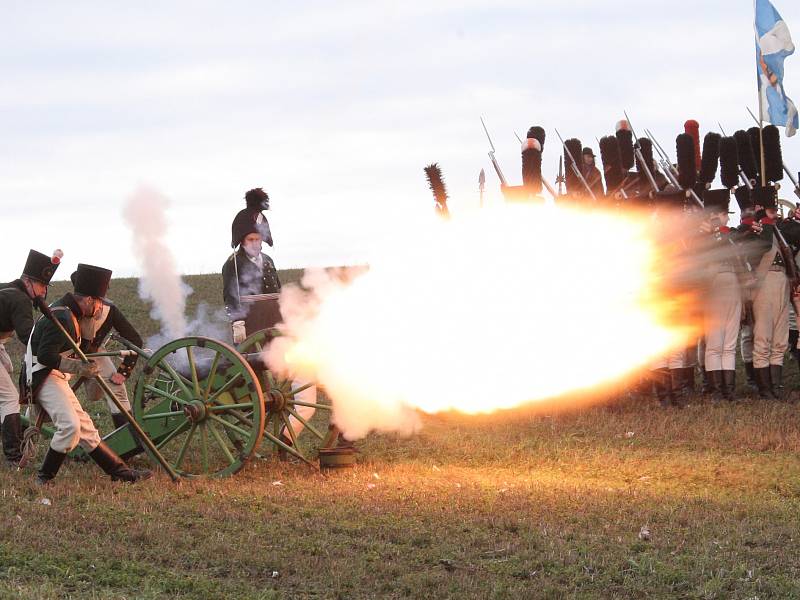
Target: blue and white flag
x: 773, y: 45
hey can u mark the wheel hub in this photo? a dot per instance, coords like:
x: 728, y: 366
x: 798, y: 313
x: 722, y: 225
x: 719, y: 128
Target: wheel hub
x: 277, y: 401
x: 195, y: 411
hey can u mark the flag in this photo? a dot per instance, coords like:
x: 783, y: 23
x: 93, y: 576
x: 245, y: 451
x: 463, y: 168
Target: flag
x: 773, y: 45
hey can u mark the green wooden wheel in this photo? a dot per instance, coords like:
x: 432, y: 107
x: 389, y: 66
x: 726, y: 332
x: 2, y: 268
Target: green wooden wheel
x: 287, y: 407
x: 202, y: 405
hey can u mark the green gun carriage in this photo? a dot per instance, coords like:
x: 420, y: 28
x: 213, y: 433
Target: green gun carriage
x: 209, y: 408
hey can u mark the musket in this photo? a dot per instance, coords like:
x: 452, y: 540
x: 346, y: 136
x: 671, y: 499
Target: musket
x: 742, y: 176
x: 575, y: 168
x: 492, y: 158
x: 560, y: 178
x: 544, y: 181
x: 785, y: 168
x: 669, y: 171
x: 639, y: 155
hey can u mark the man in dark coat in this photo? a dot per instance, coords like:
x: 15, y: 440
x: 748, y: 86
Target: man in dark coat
x: 16, y: 316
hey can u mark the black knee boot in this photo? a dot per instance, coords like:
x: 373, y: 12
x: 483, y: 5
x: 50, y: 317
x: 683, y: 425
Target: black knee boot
x: 751, y: 375
x: 662, y: 385
x: 112, y: 464
x: 776, y: 380
x: 680, y: 386
x: 716, y: 385
x: 729, y: 385
x: 50, y: 466
x: 708, y: 387
x: 764, y: 383
x: 12, y: 438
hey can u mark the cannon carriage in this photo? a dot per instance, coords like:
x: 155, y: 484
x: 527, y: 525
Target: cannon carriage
x: 208, y: 408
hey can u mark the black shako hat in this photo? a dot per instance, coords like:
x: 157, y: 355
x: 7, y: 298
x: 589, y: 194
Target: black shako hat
x: 716, y: 200
x: 91, y: 281
x: 766, y: 196
x: 41, y: 267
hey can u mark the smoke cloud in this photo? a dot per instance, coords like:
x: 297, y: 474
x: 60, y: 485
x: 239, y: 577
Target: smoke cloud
x: 160, y: 283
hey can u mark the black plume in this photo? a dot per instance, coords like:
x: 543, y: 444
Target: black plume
x: 537, y: 133
x: 625, y: 139
x: 687, y: 169
x: 436, y: 183
x: 532, y: 169
x: 728, y: 162
x: 646, y: 148
x: 710, y: 160
x: 747, y: 160
x: 574, y: 185
x: 612, y: 163
x: 773, y: 157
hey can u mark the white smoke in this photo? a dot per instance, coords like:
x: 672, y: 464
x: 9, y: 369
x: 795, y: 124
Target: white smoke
x: 160, y: 283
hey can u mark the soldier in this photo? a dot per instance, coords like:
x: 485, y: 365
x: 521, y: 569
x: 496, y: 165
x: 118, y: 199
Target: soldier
x: 771, y: 300
x: 591, y: 173
x: 49, y: 364
x: 16, y: 315
x: 94, y: 331
x: 247, y: 272
x: 723, y: 297
x: 257, y: 201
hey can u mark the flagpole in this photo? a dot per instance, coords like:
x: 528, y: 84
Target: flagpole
x: 760, y: 99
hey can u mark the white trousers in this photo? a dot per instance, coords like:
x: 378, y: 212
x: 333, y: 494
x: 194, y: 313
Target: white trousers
x: 771, y: 328
x: 73, y: 425
x: 94, y: 392
x: 722, y: 318
x: 9, y: 396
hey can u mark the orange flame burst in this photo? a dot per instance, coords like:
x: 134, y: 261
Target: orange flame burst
x: 489, y: 310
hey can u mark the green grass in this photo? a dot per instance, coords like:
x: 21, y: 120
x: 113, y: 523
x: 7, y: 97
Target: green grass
x: 522, y: 504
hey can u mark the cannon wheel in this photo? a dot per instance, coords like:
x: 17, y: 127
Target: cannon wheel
x: 282, y: 403
x: 202, y: 405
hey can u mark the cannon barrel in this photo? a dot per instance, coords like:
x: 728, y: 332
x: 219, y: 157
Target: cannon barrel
x: 203, y: 365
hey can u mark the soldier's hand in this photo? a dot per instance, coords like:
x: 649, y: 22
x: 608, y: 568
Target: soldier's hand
x: 118, y: 379
x: 756, y: 228
x: 239, y: 332
x: 76, y: 367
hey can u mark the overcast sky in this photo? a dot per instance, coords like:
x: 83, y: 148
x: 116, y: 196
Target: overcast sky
x: 333, y: 107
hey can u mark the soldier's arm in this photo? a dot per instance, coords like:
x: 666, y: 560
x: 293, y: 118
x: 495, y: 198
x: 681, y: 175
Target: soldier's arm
x: 127, y: 331
x: 230, y: 291
x: 22, y: 318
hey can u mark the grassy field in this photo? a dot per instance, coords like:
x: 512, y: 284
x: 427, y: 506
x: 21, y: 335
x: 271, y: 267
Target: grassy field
x: 522, y: 504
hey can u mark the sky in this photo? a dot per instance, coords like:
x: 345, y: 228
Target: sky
x: 334, y: 108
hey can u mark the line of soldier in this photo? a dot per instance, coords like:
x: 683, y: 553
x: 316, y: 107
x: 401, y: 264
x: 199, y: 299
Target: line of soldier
x: 743, y: 280
x: 50, y: 363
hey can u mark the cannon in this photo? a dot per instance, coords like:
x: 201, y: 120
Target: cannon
x: 209, y: 408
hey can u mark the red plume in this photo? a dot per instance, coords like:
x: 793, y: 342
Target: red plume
x: 692, y: 127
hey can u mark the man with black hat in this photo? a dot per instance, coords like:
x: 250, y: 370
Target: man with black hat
x: 722, y: 310
x: 94, y: 332
x: 49, y: 364
x: 247, y: 272
x: 16, y: 315
x: 591, y: 173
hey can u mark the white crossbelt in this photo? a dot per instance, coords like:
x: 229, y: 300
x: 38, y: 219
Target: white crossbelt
x: 32, y: 364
